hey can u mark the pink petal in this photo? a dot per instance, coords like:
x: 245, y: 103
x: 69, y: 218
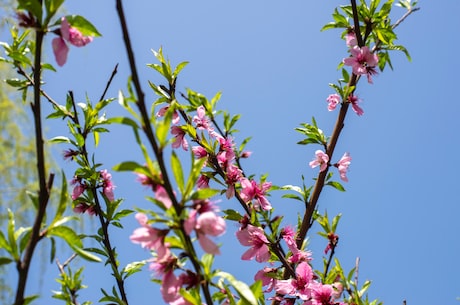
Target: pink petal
x: 208, y: 245
x: 60, y: 50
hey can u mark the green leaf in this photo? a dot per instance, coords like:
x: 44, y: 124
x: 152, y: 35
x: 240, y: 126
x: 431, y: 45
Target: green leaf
x: 207, y: 261
x: 83, y: 25
x: 179, y: 68
x: 132, y: 268
x: 11, y: 236
x: 243, y: 290
x: 51, y: 7
x: 5, y: 260
x: 59, y: 139
x: 124, y: 121
x: 87, y: 255
x: 177, y: 171
x: 67, y: 234
x: 336, y: 185
x: 63, y: 200
x: 4, y: 243
x: 204, y: 193
x: 130, y: 166
x: 232, y: 215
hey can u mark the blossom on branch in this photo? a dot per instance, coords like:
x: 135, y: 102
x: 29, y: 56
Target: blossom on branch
x: 321, y: 160
x: 343, y: 165
x: 107, y: 185
x: 162, y: 112
x: 362, y: 62
x: 299, y: 286
x: 333, y: 100
x: 354, y: 100
x: 79, y: 187
x: 204, y: 220
x: 350, y: 39
x: 70, y: 34
x: 147, y: 236
x: 253, y: 191
x: 179, y: 138
x: 201, y: 120
x: 255, y: 238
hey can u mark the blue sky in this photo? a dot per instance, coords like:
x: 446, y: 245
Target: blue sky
x: 273, y: 66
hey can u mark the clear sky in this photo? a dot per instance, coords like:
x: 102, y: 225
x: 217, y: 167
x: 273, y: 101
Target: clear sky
x: 273, y: 65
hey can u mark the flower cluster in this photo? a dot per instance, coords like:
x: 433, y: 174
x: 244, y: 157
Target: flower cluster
x: 82, y: 203
x: 322, y: 160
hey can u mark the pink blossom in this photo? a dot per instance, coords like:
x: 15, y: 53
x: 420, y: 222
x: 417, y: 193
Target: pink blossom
x: 333, y: 100
x: 60, y: 50
x: 252, y: 191
x: 82, y: 207
x: 164, y: 262
x: 343, y: 165
x: 199, y: 152
x: 202, y: 182
x: 162, y: 196
x: 179, y: 138
x: 254, y: 237
x: 201, y: 120
x: 261, y: 275
x: 79, y: 188
x: 353, y: 100
x: 350, y: 39
x: 300, y: 256
x: 70, y: 34
x: 170, y: 287
x: 362, y: 62
x: 209, y: 223
x: 300, y: 286
x: 338, y: 289
x: 232, y: 175
x: 147, y: 236
x: 107, y: 184
x: 288, y: 234
x: 321, y: 160
x: 175, y: 116
x: 322, y: 294
x: 226, y: 145
x: 206, y: 223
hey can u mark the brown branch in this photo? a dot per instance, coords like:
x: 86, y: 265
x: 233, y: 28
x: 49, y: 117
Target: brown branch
x: 45, y: 184
x: 148, y: 130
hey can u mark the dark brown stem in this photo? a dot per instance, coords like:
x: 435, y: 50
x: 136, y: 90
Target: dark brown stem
x: 147, y: 127
x: 108, y: 247
x: 114, y: 72
x: 44, y: 183
x: 357, y: 28
x: 329, y: 260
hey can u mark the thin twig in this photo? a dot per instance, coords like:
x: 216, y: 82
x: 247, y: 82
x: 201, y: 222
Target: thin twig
x: 109, y: 82
x: 32, y: 83
x: 410, y: 11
